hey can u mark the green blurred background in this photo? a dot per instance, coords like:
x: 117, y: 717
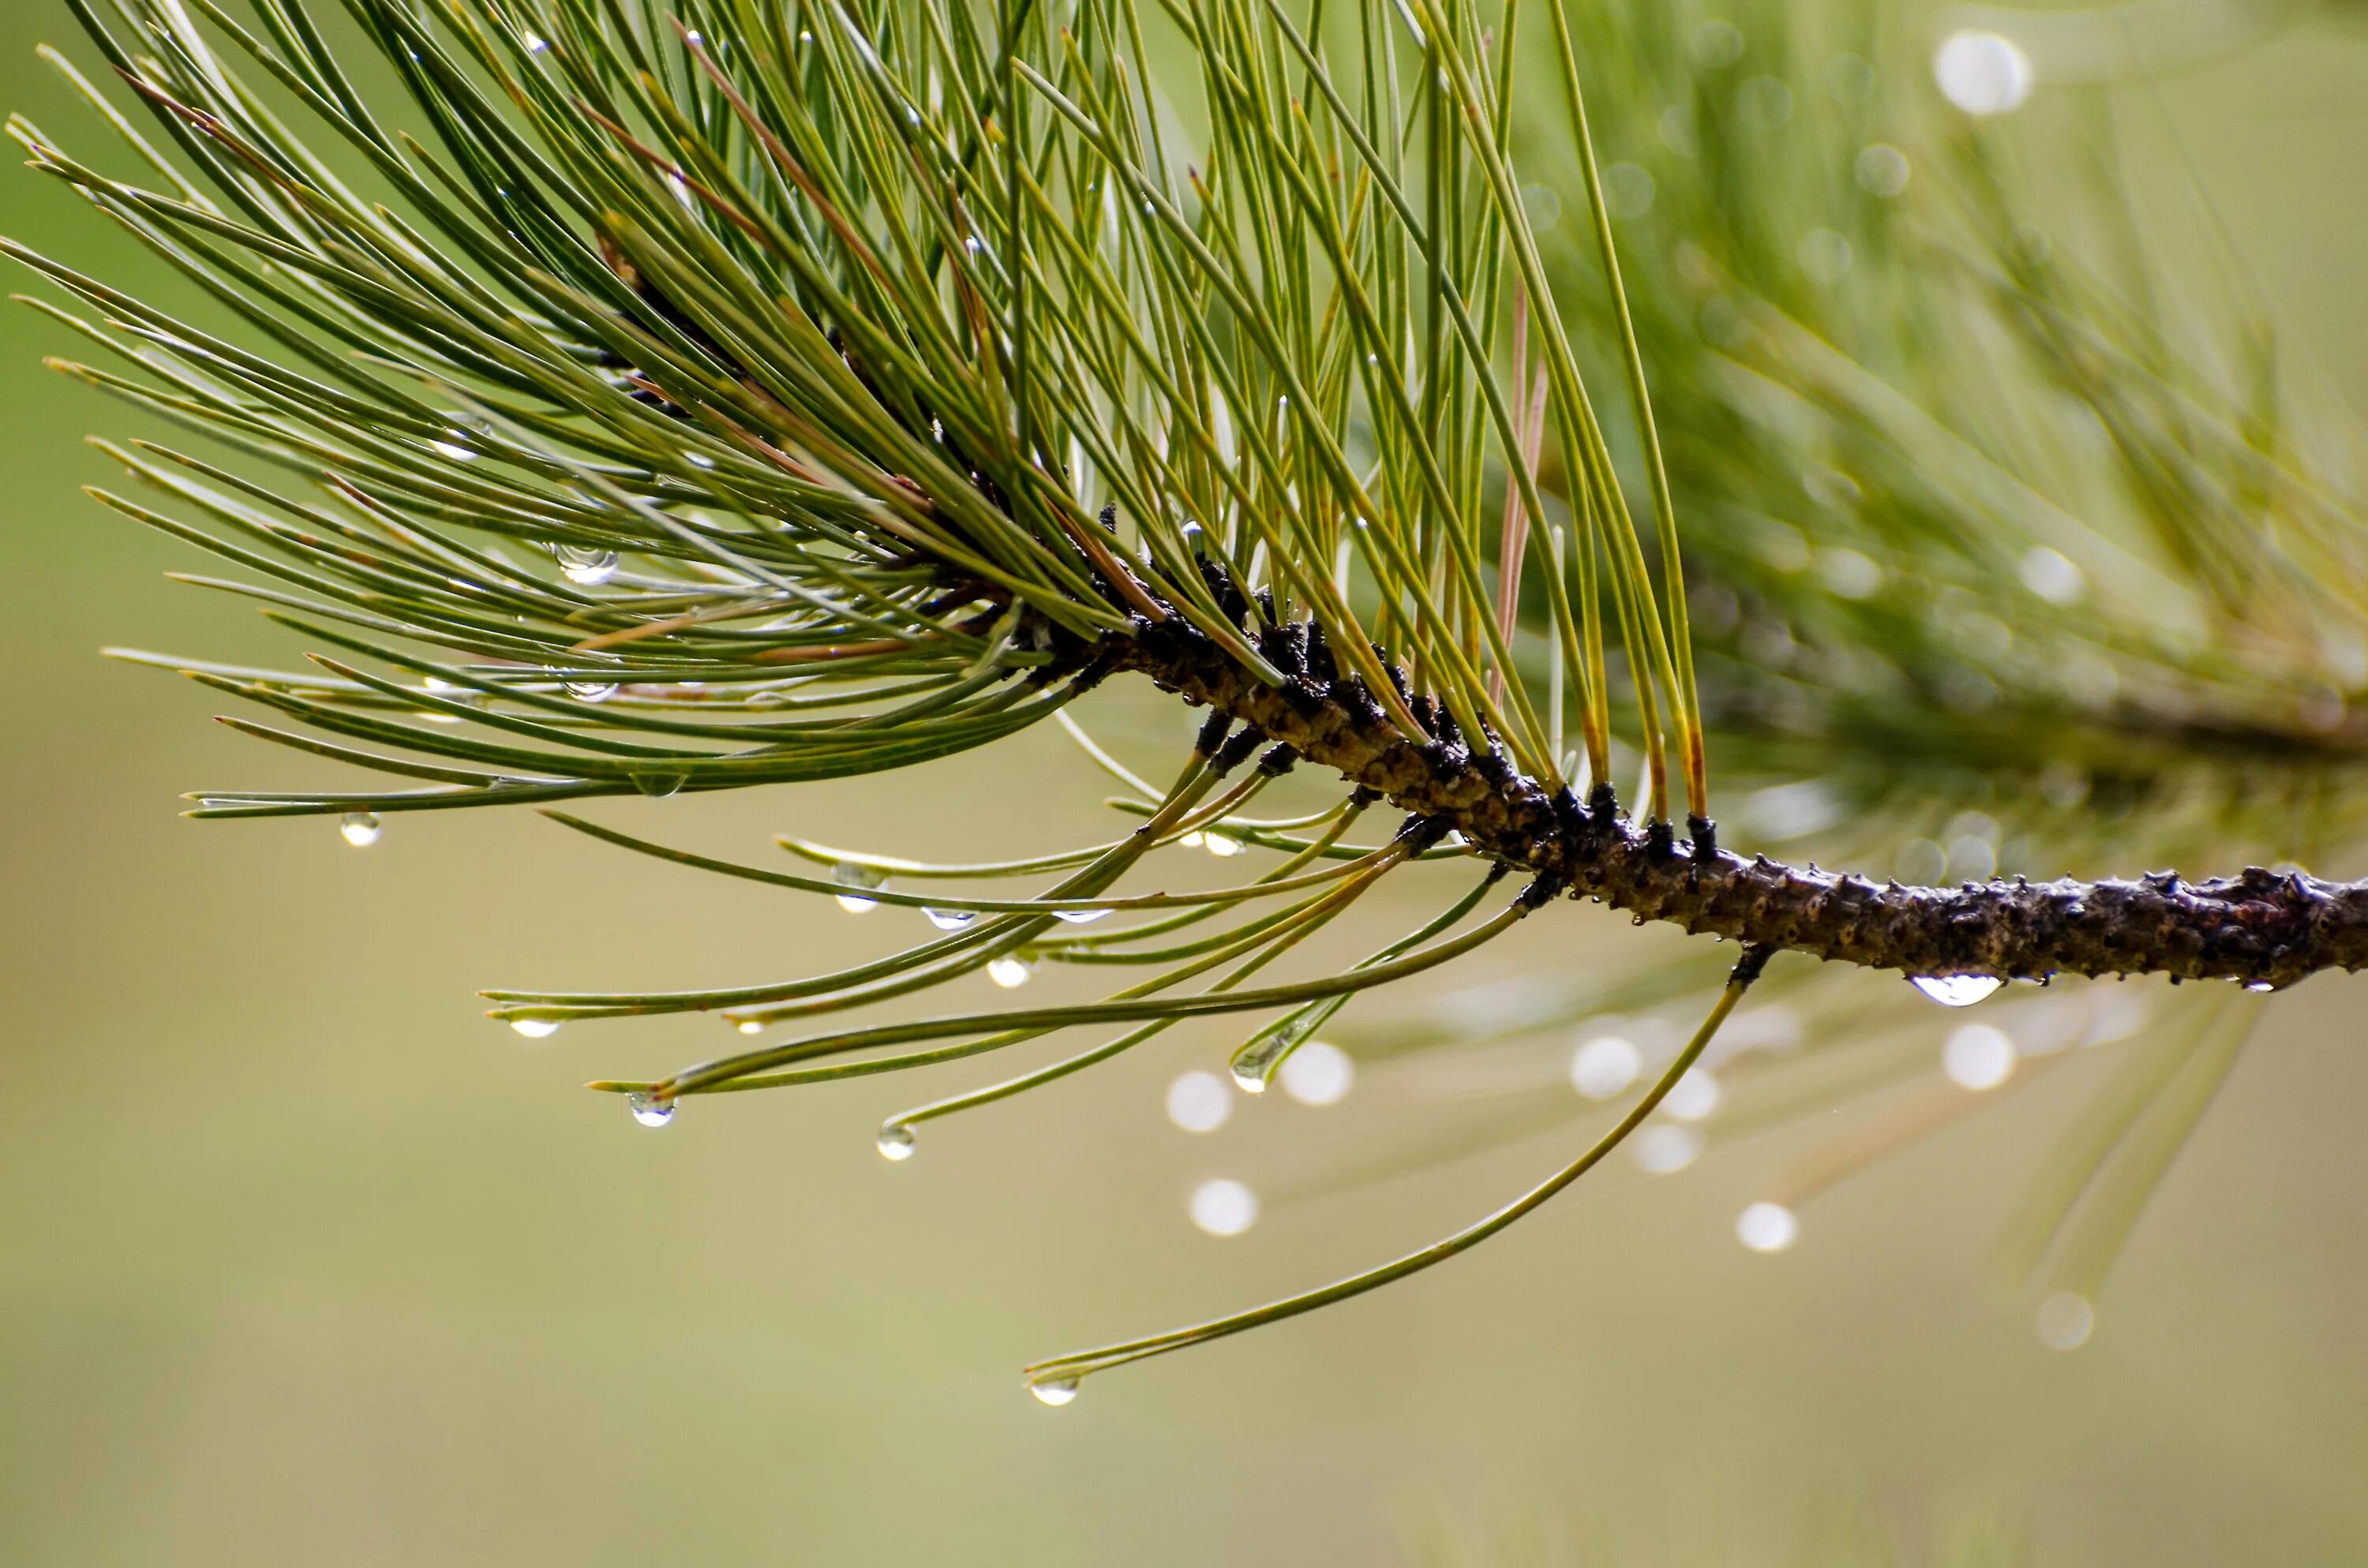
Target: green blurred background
x: 301, y: 1261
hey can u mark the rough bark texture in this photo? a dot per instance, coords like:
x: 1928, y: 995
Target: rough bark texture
x: 2258, y: 929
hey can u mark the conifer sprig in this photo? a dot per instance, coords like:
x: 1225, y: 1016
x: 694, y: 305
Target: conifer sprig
x: 878, y: 379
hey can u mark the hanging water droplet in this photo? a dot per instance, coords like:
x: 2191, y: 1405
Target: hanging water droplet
x: 1008, y: 972
x: 1054, y: 1391
x: 750, y: 1026
x: 1079, y: 917
x: 1318, y: 1073
x: 1693, y: 1096
x: 1665, y: 1148
x: 848, y: 874
x: 1979, y: 1057
x: 2261, y: 985
x: 895, y: 1141
x: 1223, y: 846
x: 1224, y: 1207
x: 1200, y: 1102
x: 1194, y: 840
x: 649, y: 1111
x: 1249, y: 1072
x: 360, y: 829
x: 585, y: 566
x: 535, y: 1029
x: 1604, y: 1066
x: 951, y: 919
x: 2064, y: 1321
x: 658, y: 786
x: 590, y: 690
x: 1766, y: 1227
x: 1983, y: 73
x: 1955, y: 990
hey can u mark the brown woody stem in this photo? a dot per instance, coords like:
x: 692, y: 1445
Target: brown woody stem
x: 2258, y: 929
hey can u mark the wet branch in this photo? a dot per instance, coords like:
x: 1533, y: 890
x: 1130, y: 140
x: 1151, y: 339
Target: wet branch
x: 2259, y: 928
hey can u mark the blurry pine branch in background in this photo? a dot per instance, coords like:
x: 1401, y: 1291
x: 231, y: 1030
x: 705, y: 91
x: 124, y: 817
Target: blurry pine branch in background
x: 639, y: 399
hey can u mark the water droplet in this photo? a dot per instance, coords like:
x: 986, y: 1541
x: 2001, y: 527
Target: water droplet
x: 1604, y: 1066
x: 360, y: 829
x: 895, y: 1141
x: 1765, y: 101
x: 1665, y: 1148
x: 649, y: 1111
x: 591, y: 690
x: 1827, y: 257
x: 1223, y: 846
x: 951, y: 919
x: 1079, y: 917
x: 535, y: 1029
x: 1194, y: 840
x: 2052, y: 575
x: 1249, y: 1074
x: 458, y: 453
x: 1766, y: 1227
x: 1979, y: 1057
x: 1200, y: 1102
x: 1224, y: 1207
x: 2065, y: 1320
x: 1008, y: 972
x: 1882, y: 170
x: 698, y: 459
x: 1054, y: 1391
x: 1955, y: 990
x: 750, y: 1026
x: 1983, y: 73
x: 1717, y: 43
x: 1693, y: 1096
x: 658, y: 786
x: 1318, y: 1073
x: 585, y: 566
x: 536, y: 43
x: 848, y: 874
x: 2249, y: 985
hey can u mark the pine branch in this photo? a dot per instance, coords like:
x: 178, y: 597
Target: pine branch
x: 881, y: 377
x: 2261, y: 928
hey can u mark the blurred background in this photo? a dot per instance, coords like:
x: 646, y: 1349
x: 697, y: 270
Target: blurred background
x: 303, y: 1260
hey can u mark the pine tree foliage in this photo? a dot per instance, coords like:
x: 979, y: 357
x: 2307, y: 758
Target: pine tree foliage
x: 625, y: 398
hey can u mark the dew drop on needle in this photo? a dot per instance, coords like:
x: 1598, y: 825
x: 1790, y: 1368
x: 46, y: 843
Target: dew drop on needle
x: 1955, y: 990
